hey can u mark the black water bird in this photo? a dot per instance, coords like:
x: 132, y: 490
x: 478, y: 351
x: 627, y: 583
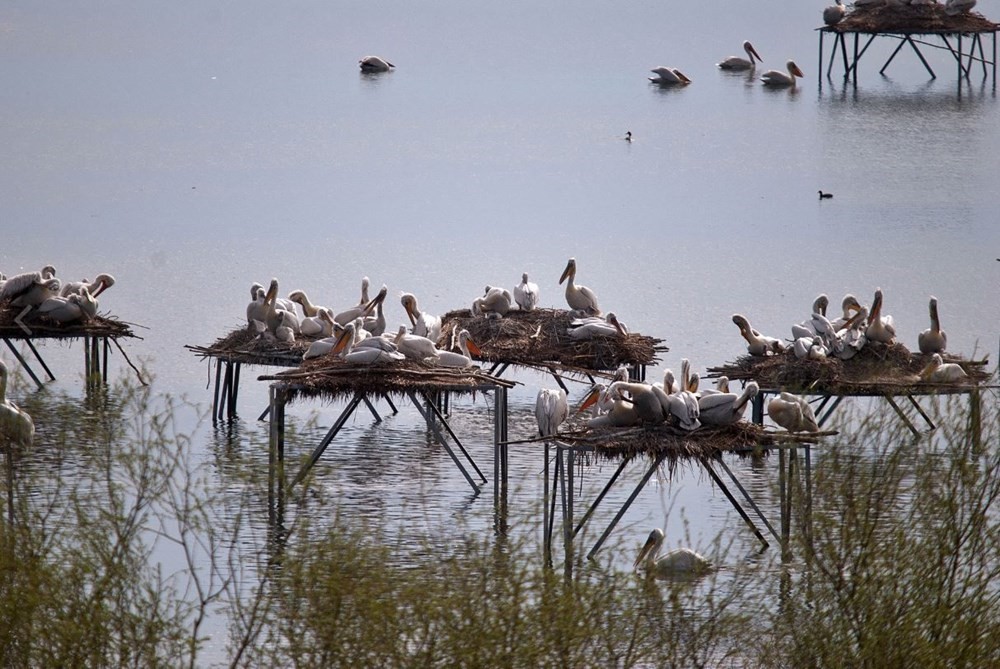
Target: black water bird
x: 825, y: 196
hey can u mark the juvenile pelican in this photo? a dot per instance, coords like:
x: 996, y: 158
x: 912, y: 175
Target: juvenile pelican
x: 467, y: 347
x: 880, y: 328
x: 16, y: 426
x: 780, y: 78
x: 551, y: 410
x: 424, y: 324
x: 28, y: 290
x: 668, y: 76
x: 793, y: 413
x: 939, y: 371
x: 580, y: 299
x: 347, y: 348
x: 76, y: 307
x: 95, y: 287
x: 588, y: 328
x: 834, y: 14
x: 375, y: 64
x: 494, y: 304
x: 320, y: 325
x: 726, y: 408
x: 757, y: 344
x: 526, y: 294
x: 737, y: 64
x: 933, y: 339
x: 679, y: 562
x: 415, y: 347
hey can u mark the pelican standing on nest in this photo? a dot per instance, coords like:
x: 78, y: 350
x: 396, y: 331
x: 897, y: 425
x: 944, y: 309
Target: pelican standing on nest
x: 933, y: 339
x: 580, y: 299
x: 526, y: 294
x: 95, y: 287
x: 779, y: 78
x: 28, y: 290
x: 834, y: 14
x: 793, y: 413
x: 373, y: 64
x: 735, y: 63
x: 939, y: 371
x: 880, y: 328
x: 551, y: 410
x: 424, y: 324
x: 757, y: 344
x: 669, y: 76
x: 679, y: 562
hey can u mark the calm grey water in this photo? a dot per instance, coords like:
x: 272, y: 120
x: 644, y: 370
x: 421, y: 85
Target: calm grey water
x: 193, y: 148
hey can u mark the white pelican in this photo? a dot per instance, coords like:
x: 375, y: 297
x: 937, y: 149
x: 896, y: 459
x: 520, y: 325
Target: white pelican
x: 256, y: 311
x: 376, y: 324
x: 551, y: 410
x: 810, y: 348
x: 680, y: 562
x: 424, y: 324
x: 834, y: 14
x: 580, y: 299
x: 526, y: 294
x: 933, y: 339
x: 793, y: 413
x: 726, y: 408
x: 495, y: 303
x: 851, y: 338
x: 644, y: 399
x: 16, y: 426
x: 309, y: 309
x: 467, y: 347
x: 669, y: 384
x: 849, y: 307
x: 602, y: 402
x: 620, y: 412
x: 721, y: 386
x: 955, y: 7
x: 780, y: 78
x: 321, y: 347
x: 737, y: 63
x: 287, y: 328
x: 939, y: 371
x: 668, y: 76
x: 414, y: 347
x: 679, y: 407
x: 355, y: 352
x: 588, y: 328
x: 365, y: 283
x: 28, y: 290
x: 358, y: 311
x: 320, y: 325
x: 880, y: 328
x: 757, y: 344
x: 375, y: 64
x: 76, y: 307
x: 95, y: 287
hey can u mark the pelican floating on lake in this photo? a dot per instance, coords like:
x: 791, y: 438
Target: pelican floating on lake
x: 16, y: 426
x: 375, y: 64
x: 669, y: 76
x: 580, y: 299
x: 526, y: 294
x: 933, y: 339
x: 679, y: 562
x: 424, y: 324
x: 736, y: 63
x: 792, y: 412
x: 781, y: 78
x: 551, y: 410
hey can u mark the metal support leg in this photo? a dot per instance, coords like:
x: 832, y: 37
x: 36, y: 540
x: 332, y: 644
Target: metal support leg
x: 749, y: 499
x: 899, y: 412
x: 603, y: 493
x: 330, y: 435
x: 24, y: 364
x: 621, y: 512
x: 732, y: 500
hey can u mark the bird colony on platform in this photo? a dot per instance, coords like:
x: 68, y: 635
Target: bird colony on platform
x: 41, y: 297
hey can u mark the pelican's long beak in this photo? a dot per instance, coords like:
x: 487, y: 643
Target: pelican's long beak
x: 756, y: 55
x: 272, y: 292
x: 618, y: 326
x: 644, y: 552
x: 590, y: 400
x: 797, y: 72
x: 409, y: 313
x: 473, y: 348
x: 103, y: 287
x: 342, y: 340
x: 566, y: 272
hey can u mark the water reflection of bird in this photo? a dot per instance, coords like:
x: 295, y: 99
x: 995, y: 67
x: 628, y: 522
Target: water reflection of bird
x: 780, y: 78
x: 679, y: 562
x: 933, y: 339
x: 792, y: 412
x: 737, y: 63
x: 551, y: 410
x: 16, y: 426
x: 668, y: 76
x: 579, y: 298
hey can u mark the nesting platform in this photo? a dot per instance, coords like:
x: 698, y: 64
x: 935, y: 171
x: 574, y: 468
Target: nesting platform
x: 914, y: 25
x: 538, y: 339
x: 98, y: 334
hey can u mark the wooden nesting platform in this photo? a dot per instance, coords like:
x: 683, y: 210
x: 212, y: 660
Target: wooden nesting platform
x: 98, y: 334
x: 538, y: 339
x: 914, y: 25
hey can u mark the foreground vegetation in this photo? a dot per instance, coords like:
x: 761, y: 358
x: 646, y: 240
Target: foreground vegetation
x: 120, y: 552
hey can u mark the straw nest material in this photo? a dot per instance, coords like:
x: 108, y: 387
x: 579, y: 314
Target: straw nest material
x: 912, y: 19
x: 331, y: 377
x: 251, y: 348
x: 876, y: 369
x: 538, y: 338
x: 46, y: 328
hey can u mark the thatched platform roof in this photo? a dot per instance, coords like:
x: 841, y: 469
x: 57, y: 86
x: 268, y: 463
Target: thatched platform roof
x: 330, y: 377
x: 250, y: 348
x: 538, y: 338
x: 45, y: 328
x: 912, y: 19
x: 877, y: 369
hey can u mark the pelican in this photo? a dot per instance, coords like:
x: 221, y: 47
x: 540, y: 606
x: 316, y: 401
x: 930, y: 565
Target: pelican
x: 939, y: 371
x: 424, y: 324
x: 358, y: 311
x: 288, y: 326
x: 880, y: 328
x: 494, y: 304
x: 678, y: 406
x: 737, y: 63
x: 16, y: 426
x: 526, y: 294
x: 467, y: 347
x: 679, y: 562
x: 256, y: 310
x: 95, y: 287
x: 620, y: 413
x: 780, y: 78
x: 365, y: 283
x: 309, y: 310
x: 757, y: 344
x: 793, y: 413
x: 320, y: 325
x: 551, y: 410
x: 810, y: 348
x: 588, y: 328
x: 28, y: 290
x: 818, y: 324
x: 834, y: 14
x: 376, y: 325
x: 375, y: 64
x: 580, y: 299
x: 414, y: 347
x: 956, y: 7
x: 851, y: 338
x: 347, y: 347
x: 76, y: 307
x: 726, y: 408
x: 668, y: 76
x: 721, y: 386
x: 644, y: 399
x: 933, y: 339
x: 849, y: 306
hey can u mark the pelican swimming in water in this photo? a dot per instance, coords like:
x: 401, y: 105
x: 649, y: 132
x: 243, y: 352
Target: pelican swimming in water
x: 782, y: 78
x: 757, y: 344
x: 526, y: 294
x: 16, y: 426
x: 76, y: 307
x: 939, y: 371
x: 95, y: 287
x: 28, y: 290
x: 580, y: 299
x: 793, y: 413
x: 669, y: 76
x: 680, y: 562
x: 726, y: 408
x: 834, y: 14
x: 735, y: 63
x: 933, y: 339
x: 551, y: 410
x: 880, y: 328
x: 424, y: 324
x: 375, y: 64
x: 468, y: 348
x: 588, y: 328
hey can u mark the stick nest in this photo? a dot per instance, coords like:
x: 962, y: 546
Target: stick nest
x: 46, y: 328
x: 912, y: 19
x: 538, y: 338
x: 877, y: 369
x: 251, y: 348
